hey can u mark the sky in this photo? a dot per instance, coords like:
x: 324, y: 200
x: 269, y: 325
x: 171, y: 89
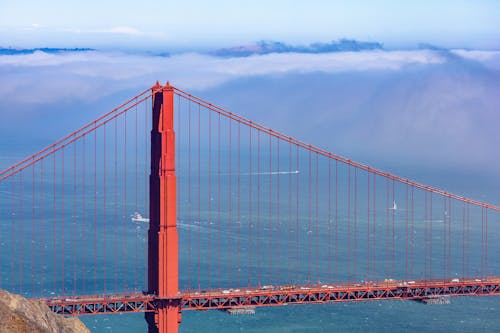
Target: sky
x: 401, y: 109
x: 197, y: 23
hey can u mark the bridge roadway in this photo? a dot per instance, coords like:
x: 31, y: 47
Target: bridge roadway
x: 224, y: 299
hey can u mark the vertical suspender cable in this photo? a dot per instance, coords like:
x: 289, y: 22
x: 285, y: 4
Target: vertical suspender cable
x: 116, y: 216
x: 348, y: 222
x: 445, y: 215
x: 33, y: 233
x: 375, y: 227
x: 297, y: 230
x: 329, y: 219
x: 83, y: 229
x: 125, y: 190
x: 486, y: 241
x: 146, y: 176
x: 74, y: 217
x: 336, y: 276
x: 289, y: 277
x: 368, y: 231
x: 412, y: 237
x: 104, y: 210
x: 406, y: 231
x: 448, y: 272
x: 270, y: 221
x: 393, y: 258
x: 239, y: 204
x: 178, y: 163
x: 309, y: 219
x: 425, y: 235
x: 463, y: 239
x: 278, y: 236
x: 41, y: 230
x: 21, y: 261
x: 63, y: 275
x: 199, y: 196
x: 468, y: 240
x: 430, y: 237
x: 12, y: 234
x: 482, y: 242
x: 95, y: 211
x: 258, y: 204
x: 218, y: 202
x: 230, y: 195
x: 190, y: 208
x: 316, y: 232
x: 136, y: 194
x: 250, y: 247
x: 355, y: 222
x: 54, y: 250
x: 387, y: 227
x: 209, y: 171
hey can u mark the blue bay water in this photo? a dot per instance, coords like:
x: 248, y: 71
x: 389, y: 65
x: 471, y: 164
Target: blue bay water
x: 464, y: 314
x: 107, y: 253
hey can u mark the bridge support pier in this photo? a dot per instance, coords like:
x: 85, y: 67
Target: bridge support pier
x: 167, y: 319
x: 163, y: 240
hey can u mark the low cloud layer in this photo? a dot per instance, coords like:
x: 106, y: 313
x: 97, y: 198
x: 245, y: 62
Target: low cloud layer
x: 430, y: 108
x: 191, y: 71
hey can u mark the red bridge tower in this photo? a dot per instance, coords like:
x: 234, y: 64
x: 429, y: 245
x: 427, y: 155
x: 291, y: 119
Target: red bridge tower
x: 163, y: 256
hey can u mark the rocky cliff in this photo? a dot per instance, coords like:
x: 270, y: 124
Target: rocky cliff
x: 18, y: 314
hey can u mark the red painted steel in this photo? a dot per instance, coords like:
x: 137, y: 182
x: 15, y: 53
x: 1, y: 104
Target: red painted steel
x: 345, y: 292
x: 102, y: 304
x: 222, y: 299
x: 163, y: 244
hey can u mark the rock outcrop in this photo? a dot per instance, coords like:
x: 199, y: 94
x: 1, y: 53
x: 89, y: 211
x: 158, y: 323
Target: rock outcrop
x: 18, y: 314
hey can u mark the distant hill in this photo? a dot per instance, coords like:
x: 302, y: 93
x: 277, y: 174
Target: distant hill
x: 266, y: 47
x: 18, y: 314
x: 12, y: 51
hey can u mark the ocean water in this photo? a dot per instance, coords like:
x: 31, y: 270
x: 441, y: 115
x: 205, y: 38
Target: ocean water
x: 464, y: 314
x: 256, y: 228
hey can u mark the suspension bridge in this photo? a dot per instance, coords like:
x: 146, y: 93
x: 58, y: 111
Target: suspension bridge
x: 236, y: 216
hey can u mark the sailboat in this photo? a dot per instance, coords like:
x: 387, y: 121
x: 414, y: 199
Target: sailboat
x: 394, y: 205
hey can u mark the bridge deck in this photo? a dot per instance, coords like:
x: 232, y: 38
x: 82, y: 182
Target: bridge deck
x: 278, y: 295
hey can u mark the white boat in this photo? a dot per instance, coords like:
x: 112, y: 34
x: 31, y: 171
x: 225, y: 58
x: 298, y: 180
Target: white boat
x: 137, y: 217
x: 394, y: 206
